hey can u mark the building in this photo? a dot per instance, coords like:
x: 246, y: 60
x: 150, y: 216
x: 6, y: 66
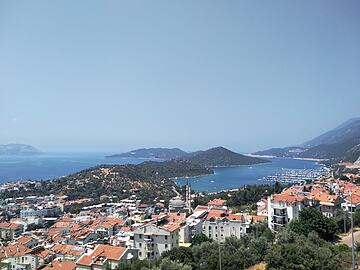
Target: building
x: 177, y: 205
x: 284, y: 207
x: 217, y: 204
x: 60, y: 265
x: 67, y: 252
x: 262, y: 207
x: 27, y: 241
x: 9, y: 231
x: 152, y: 240
x: 18, y: 257
x: 219, y: 224
x: 324, y: 201
x: 104, y: 257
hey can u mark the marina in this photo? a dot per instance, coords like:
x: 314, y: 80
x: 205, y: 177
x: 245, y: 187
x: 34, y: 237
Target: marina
x: 284, y: 170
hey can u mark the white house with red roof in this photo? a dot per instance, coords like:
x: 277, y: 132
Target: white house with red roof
x: 262, y: 207
x: 220, y: 224
x: 284, y: 207
x: 9, y: 231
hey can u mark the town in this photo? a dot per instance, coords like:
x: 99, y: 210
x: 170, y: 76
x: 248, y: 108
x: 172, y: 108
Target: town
x: 38, y: 233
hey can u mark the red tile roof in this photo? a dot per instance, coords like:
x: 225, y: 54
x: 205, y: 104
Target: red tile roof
x: 14, y: 250
x: 60, y: 265
x: 67, y: 250
x: 7, y: 225
x: 217, y: 202
x: 101, y: 253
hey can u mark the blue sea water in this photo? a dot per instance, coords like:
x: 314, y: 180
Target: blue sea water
x: 234, y: 177
x: 56, y: 165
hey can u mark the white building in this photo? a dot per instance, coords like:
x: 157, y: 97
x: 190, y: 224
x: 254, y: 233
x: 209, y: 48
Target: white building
x: 219, y: 225
x: 284, y: 207
x: 151, y: 240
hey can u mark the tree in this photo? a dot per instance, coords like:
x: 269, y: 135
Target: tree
x: 357, y: 217
x: 311, y: 219
x: 167, y: 264
x: 200, y: 238
x: 180, y: 254
x: 294, y: 252
x: 342, y: 219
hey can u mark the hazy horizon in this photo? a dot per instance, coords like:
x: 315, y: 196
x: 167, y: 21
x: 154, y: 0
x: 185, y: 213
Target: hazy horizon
x: 95, y: 76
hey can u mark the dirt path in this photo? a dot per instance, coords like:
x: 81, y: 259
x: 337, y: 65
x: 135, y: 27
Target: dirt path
x: 346, y: 239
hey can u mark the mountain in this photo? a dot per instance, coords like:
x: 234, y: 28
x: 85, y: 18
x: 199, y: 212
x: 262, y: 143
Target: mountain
x: 148, y: 179
x: 160, y: 153
x: 345, y: 132
x: 18, y: 150
x: 336, y: 145
x: 220, y: 156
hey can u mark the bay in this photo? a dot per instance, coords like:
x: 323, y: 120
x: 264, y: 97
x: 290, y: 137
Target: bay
x: 49, y: 166
x: 234, y: 177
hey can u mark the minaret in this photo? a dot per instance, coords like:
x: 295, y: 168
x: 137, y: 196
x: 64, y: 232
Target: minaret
x: 188, y: 196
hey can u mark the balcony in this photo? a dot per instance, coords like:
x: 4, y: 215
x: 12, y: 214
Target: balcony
x: 280, y: 212
x: 279, y: 221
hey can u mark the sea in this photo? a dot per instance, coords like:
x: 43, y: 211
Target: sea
x: 50, y: 166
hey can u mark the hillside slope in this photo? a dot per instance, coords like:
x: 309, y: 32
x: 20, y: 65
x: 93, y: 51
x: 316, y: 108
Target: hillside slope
x: 339, y: 144
x: 220, y: 156
x: 149, y: 180
x: 345, y: 132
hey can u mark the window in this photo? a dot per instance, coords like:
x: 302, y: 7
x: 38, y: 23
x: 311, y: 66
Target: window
x: 140, y: 236
x: 165, y: 237
x: 139, y: 244
x: 140, y: 253
x: 166, y: 246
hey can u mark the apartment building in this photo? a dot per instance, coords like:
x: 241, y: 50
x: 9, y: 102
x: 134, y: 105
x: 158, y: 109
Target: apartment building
x: 152, y: 240
x: 220, y: 224
x: 284, y: 207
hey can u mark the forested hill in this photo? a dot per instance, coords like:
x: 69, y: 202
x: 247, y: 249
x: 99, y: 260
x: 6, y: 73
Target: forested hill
x: 220, y: 156
x: 149, y: 180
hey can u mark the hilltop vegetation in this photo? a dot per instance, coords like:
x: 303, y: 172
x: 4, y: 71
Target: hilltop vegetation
x: 217, y: 156
x: 149, y: 180
x: 220, y: 156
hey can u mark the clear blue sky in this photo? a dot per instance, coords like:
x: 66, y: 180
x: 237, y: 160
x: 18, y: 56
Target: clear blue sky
x: 115, y: 75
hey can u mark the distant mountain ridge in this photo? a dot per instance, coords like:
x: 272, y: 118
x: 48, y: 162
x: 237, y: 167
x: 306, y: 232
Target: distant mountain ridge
x: 160, y: 153
x: 217, y: 156
x: 18, y: 150
x: 349, y: 130
x: 341, y: 144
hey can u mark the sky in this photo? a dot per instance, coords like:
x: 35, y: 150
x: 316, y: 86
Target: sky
x: 110, y: 76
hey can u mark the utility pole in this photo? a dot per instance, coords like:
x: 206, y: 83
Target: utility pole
x: 219, y: 246
x: 352, y: 233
